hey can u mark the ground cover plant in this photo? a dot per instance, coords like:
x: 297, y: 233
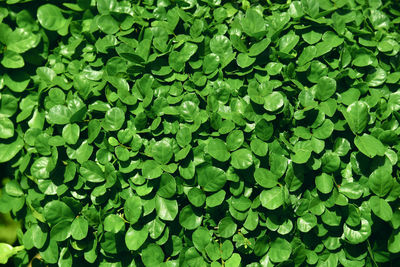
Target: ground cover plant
x: 200, y: 132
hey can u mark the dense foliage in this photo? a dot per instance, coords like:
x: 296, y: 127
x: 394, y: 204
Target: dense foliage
x: 201, y: 132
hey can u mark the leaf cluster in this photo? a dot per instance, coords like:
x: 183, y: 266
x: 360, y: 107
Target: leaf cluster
x: 201, y: 132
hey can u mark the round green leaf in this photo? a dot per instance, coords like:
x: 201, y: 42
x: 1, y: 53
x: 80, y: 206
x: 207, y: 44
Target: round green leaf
x: 242, y: 159
x: 79, y: 228
x: 133, y: 209
x: 152, y: 255
x: 265, y: 178
x: 59, y: 114
x: 135, y: 238
x: 280, y: 250
x: 264, y: 130
x: 151, y: 169
x: 272, y: 198
x: 162, y: 151
x: 107, y: 24
x: 50, y: 17
x: 114, y: 223
x: 218, y: 150
x: 71, y: 133
x: 201, y: 238
x: 357, y: 116
x: 357, y: 236
x: 227, y: 227
x: 394, y: 242
x: 381, y: 208
x: 273, y: 101
x: 235, y: 140
x: 57, y: 211
x: 6, y: 128
x: 211, y: 178
x: 12, y: 60
x: 167, y: 187
x: 380, y: 181
x: 325, y: 88
x: 167, y: 209
x: 188, y: 219
x: 369, y: 145
x: 324, y: 183
x: 244, y: 61
x: 306, y: 222
x: 114, y: 119
x: 196, y: 196
x: 10, y: 150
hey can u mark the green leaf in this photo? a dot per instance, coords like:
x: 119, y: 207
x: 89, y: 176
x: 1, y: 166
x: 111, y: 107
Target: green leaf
x: 306, y: 222
x: 259, y: 47
x: 357, y: 236
x: 114, y: 223
x: 79, y: 228
x: 363, y: 60
x: 357, y: 116
x: 272, y: 198
x: 215, y: 199
x: 288, y: 42
x: 6, y: 128
x: 151, y: 169
x: 253, y: 23
x: 71, y: 133
x: 394, y: 242
x: 324, y: 183
x: 265, y: 178
x: 167, y: 187
x: 273, y: 101
x: 312, y: 37
x: 61, y: 231
x: 92, y: 172
x: 226, y: 227
x: 201, y: 238
x: 12, y: 60
x: 107, y: 24
x: 264, y: 130
x: 218, y: 150
x: 234, y: 140
x: 166, y: 209
x: 381, y: 208
x: 162, y: 151
x: 369, y: 145
x: 244, y: 61
x: 135, y: 238
x: 189, y: 219
x: 380, y: 181
x: 152, y: 255
x: 259, y: 147
x: 325, y: 88
x: 302, y: 152
x: 57, y: 211
x: 7, y: 251
x: 17, y: 81
x: 41, y: 168
x: 133, y: 209
x: 196, y: 197
x: 242, y: 159
x: 211, y: 178
x: 325, y: 130
x: 280, y: 250
x: 50, y: 17
x: 59, y: 114
x: 220, y: 45
x: 114, y: 119
x: 210, y: 64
